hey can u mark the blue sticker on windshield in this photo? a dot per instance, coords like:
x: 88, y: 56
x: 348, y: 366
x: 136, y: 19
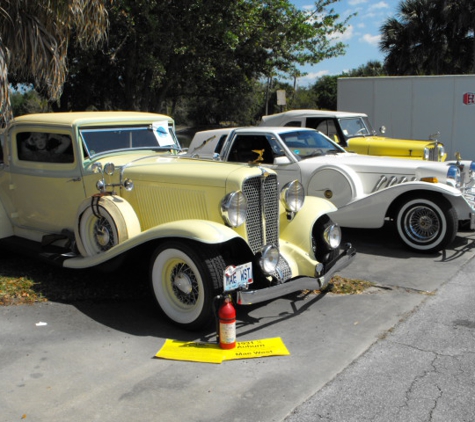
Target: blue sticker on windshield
x: 161, y: 131
x: 164, y: 138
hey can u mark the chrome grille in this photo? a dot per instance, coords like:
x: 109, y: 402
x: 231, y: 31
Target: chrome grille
x: 387, y: 181
x: 282, y: 272
x: 434, y: 153
x: 262, y: 223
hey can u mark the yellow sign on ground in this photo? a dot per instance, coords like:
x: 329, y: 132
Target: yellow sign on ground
x: 212, y: 353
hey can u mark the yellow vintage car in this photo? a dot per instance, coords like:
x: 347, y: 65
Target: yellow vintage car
x: 353, y: 131
x: 89, y: 189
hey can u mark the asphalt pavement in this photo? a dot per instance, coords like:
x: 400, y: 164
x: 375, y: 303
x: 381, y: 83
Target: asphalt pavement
x: 423, y: 370
x: 401, y: 351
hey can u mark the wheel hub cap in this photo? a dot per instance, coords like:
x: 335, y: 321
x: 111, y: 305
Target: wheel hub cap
x: 425, y: 222
x: 103, y: 236
x: 183, y: 283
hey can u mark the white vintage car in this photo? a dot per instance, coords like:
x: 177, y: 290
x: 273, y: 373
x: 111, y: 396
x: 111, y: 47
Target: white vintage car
x: 426, y: 200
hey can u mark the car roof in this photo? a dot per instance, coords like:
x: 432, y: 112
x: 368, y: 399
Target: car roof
x: 314, y: 113
x: 89, y: 117
x: 277, y: 129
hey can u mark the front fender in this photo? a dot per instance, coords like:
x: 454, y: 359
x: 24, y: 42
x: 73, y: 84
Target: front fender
x: 370, y: 211
x: 202, y: 231
x: 298, y: 231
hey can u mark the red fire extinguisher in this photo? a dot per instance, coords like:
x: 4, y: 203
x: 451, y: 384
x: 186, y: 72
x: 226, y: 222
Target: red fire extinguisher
x: 227, y: 324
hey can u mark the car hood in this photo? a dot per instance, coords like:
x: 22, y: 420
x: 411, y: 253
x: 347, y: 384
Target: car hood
x: 399, y: 142
x: 180, y: 170
x: 375, y: 164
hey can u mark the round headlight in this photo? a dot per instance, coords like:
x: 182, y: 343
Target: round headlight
x: 453, y: 176
x: 441, y: 151
x: 234, y: 208
x: 332, y: 236
x: 109, y: 169
x: 269, y: 259
x: 96, y: 168
x: 293, y: 196
x: 426, y: 153
x: 128, y: 185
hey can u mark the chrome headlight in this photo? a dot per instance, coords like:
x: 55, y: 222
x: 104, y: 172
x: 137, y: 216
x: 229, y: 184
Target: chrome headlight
x: 453, y: 176
x: 269, y: 258
x: 293, y: 196
x: 234, y: 208
x: 426, y: 153
x: 332, y: 236
x: 441, y: 151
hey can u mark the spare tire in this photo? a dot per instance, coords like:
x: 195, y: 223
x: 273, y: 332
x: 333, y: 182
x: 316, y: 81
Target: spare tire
x: 103, y: 222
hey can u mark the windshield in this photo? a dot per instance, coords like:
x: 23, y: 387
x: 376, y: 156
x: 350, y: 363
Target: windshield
x: 156, y: 136
x: 310, y: 143
x: 355, y: 126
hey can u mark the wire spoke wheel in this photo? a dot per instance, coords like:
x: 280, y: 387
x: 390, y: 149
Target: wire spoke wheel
x: 422, y: 224
x: 184, y: 281
x: 427, y: 224
x: 98, y: 232
x: 104, y: 223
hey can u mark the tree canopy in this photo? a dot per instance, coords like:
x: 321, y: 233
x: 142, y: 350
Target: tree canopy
x: 34, y: 39
x: 212, y: 51
x: 430, y: 37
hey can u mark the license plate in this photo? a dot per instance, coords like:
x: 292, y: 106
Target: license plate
x: 237, y: 277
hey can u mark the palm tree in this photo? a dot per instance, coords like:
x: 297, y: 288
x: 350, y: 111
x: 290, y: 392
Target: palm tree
x: 430, y: 37
x: 417, y: 39
x: 34, y: 38
x: 462, y: 17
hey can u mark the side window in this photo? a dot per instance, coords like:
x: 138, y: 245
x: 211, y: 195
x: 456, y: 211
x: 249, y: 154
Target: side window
x: 44, y: 147
x: 326, y: 126
x: 219, y: 145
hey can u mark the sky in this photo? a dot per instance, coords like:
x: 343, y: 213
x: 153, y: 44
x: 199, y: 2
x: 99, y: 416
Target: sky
x: 362, y: 36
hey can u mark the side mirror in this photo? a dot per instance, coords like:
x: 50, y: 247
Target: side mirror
x: 281, y: 160
x: 382, y: 129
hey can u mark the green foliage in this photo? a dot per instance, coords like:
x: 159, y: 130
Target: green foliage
x: 28, y: 102
x: 34, y: 36
x: 209, y: 52
x: 430, y: 37
x: 303, y: 98
x: 321, y: 95
x: 325, y: 90
x: 372, y: 68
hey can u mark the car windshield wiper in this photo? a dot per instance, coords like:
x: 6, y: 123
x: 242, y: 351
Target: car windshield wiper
x: 314, y: 154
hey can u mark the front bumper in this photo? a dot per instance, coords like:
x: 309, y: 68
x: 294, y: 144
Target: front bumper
x: 249, y: 297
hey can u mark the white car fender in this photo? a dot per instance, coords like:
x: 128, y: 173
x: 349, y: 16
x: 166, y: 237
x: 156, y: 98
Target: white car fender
x: 370, y: 211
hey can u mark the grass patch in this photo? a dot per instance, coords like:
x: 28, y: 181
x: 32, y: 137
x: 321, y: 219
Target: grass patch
x: 26, y: 281
x: 348, y: 286
x: 18, y: 291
